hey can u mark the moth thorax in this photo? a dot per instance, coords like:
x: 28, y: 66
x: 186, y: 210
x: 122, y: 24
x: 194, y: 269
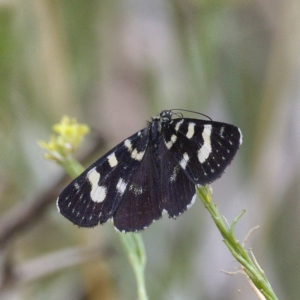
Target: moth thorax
x: 155, y: 130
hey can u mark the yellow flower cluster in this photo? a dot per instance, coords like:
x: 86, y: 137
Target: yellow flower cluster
x: 69, y: 135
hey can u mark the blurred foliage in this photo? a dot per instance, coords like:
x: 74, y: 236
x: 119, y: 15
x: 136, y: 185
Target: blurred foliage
x: 112, y: 65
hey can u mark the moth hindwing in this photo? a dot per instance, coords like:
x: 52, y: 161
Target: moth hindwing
x: 151, y: 172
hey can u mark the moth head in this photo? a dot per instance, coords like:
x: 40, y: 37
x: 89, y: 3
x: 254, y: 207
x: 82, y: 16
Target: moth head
x: 165, y: 116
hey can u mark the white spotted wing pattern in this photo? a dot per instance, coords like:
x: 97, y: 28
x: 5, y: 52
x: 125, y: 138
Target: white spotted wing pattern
x: 152, y: 172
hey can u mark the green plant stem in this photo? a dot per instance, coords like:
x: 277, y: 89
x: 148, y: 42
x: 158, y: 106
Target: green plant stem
x: 72, y: 166
x: 249, y: 265
x: 135, y: 251
x: 132, y: 242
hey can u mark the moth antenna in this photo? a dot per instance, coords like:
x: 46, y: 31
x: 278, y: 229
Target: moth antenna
x: 191, y: 111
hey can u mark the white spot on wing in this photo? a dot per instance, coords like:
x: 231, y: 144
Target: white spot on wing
x: 164, y: 212
x: 221, y: 132
x: 98, y: 193
x: 191, y: 130
x: 174, y: 174
x: 184, y: 160
x: 137, y: 155
x: 192, y: 202
x: 93, y: 176
x: 137, y: 190
x: 178, y: 124
x: 170, y: 143
x: 57, y: 204
x: 121, y: 186
x: 241, y: 137
x: 205, y: 150
x: 112, y: 160
x: 128, y: 145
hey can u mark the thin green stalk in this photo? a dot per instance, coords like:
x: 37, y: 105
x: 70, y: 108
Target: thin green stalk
x: 136, y: 254
x: 249, y: 265
x: 72, y: 166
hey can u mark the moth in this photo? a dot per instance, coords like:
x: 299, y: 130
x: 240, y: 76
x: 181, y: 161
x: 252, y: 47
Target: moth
x: 152, y: 172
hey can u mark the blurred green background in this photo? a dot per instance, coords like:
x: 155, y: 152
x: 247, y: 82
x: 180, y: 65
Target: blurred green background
x: 113, y: 65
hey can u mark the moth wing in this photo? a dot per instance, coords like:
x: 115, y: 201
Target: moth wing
x: 93, y: 197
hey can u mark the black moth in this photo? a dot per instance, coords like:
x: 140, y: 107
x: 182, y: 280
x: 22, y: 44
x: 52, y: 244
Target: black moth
x: 152, y: 172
